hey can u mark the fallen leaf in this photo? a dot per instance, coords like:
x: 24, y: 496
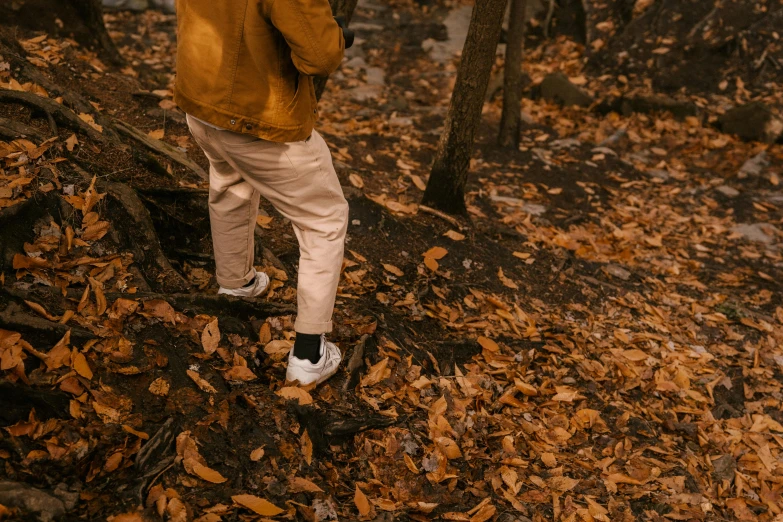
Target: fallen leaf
x: 210, y: 337
x: 208, y: 474
x: 79, y: 363
x: 362, y: 504
x: 295, y: 393
x: 258, y: 505
x: 200, y: 382
x: 257, y: 454
x: 299, y: 484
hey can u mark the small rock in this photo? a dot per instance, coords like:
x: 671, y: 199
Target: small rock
x: 534, y: 208
x: 357, y: 62
x: 753, y: 122
x: 127, y: 5
x: 758, y: 232
x: 376, y: 76
x: 364, y: 26
x: 754, y: 166
x: 617, y: 271
x: 565, y: 143
x: 46, y: 507
x: 559, y: 89
x: 729, y: 192
x: 456, y: 23
x: 401, y: 121
x: 604, y: 150
x: 364, y: 93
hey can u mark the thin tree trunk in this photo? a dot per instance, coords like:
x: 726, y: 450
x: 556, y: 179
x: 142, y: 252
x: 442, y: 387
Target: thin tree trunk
x: 91, y: 12
x: 446, y: 186
x: 512, y: 76
x: 344, y: 8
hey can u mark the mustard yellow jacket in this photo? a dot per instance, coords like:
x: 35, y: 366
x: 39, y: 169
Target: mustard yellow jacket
x: 248, y: 65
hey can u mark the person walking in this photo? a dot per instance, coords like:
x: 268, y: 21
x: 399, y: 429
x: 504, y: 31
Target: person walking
x: 245, y: 73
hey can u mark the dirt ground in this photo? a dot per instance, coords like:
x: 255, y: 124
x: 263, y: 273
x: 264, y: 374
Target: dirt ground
x: 599, y: 340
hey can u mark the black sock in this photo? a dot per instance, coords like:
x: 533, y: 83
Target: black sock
x: 308, y: 347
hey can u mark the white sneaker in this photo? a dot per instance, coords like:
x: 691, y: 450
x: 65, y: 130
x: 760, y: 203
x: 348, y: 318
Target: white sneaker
x: 306, y: 373
x: 258, y: 288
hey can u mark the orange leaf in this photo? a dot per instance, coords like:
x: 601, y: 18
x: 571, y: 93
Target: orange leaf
x: 208, y: 474
x: 79, y: 363
x: 259, y: 505
x: 362, y: 504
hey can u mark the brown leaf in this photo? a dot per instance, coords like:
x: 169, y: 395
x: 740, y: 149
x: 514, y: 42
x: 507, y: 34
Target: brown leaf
x: 239, y: 373
x: 295, y: 393
x: 258, y: 505
x: 362, y: 504
x: 113, y: 462
x: 307, y: 448
x: 208, y: 474
x: 159, y: 387
x: 257, y: 454
x: 210, y: 337
x: 376, y: 373
x: 505, y: 280
x: 200, y: 382
x: 95, y: 231
x: 393, y: 269
x: 79, y: 363
x: 299, y: 484
x: 71, y: 142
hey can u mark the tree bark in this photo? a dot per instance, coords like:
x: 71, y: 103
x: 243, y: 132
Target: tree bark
x: 512, y: 76
x: 344, y: 8
x: 91, y: 12
x: 446, y: 186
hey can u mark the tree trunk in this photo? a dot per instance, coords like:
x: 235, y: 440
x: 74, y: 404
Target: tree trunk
x: 512, y: 77
x: 92, y: 13
x: 446, y: 186
x: 81, y: 20
x: 344, y: 8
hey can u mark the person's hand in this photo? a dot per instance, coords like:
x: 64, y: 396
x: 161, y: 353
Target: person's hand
x: 348, y: 34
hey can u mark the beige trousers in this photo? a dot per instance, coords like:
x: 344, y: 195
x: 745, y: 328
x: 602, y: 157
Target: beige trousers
x: 298, y: 179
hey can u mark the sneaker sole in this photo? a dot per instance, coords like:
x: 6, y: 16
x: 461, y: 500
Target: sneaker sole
x: 312, y: 385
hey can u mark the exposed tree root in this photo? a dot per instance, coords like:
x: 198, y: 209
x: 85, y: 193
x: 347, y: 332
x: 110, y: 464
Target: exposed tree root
x: 132, y: 221
x: 19, y: 399
x: 213, y: 304
x: 160, y: 147
x: 11, y: 130
x: 325, y: 428
x: 60, y: 113
x: 356, y: 363
x: 16, y: 319
x: 239, y: 307
x: 13, y: 236
x: 138, y: 232
x: 16, y: 53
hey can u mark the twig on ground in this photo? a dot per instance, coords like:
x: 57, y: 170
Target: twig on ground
x: 429, y: 210
x: 160, y: 147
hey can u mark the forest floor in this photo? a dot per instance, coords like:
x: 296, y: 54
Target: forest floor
x: 600, y: 340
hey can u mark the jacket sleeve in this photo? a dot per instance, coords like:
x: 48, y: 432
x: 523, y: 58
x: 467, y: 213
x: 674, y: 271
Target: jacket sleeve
x: 316, y: 41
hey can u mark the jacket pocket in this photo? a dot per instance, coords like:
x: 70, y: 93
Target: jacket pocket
x: 297, y: 88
